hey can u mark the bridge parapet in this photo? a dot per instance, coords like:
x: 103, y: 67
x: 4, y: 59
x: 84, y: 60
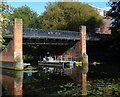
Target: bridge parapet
x: 48, y: 33
x: 97, y: 36
x: 56, y: 34
x: 45, y: 33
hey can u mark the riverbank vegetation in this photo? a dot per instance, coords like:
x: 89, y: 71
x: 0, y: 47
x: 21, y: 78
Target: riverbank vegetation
x: 114, y: 13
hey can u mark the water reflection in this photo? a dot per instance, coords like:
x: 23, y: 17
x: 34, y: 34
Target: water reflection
x: 53, y: 84
x: 12, y: 82
x: 29, y: 74
x: 29, y: 70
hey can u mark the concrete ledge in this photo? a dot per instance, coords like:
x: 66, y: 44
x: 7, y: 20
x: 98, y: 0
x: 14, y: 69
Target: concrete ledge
x: 8, y: 65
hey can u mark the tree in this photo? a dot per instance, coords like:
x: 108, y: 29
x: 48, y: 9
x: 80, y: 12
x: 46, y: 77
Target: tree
x: 115, y: 14
x: 30, y: 18
x: 70, y: 15
x: 6, y: 11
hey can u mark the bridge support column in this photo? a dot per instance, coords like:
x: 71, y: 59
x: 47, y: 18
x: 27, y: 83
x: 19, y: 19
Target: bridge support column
x: 17, y: 44
x: 84, y: 58
x: 82, y: 40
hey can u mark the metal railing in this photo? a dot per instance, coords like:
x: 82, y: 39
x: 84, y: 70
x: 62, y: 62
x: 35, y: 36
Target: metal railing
x: 55, y: 34
x: 32, y: 32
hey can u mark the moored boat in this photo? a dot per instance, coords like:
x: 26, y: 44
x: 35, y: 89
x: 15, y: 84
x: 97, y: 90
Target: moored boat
x: 50, y: 62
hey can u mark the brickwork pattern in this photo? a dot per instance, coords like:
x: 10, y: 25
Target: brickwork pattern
x: 17, y: 37
x: 83, y: 40
x: 78, y: 49
x: 73, y: 51
x: 7, y: 54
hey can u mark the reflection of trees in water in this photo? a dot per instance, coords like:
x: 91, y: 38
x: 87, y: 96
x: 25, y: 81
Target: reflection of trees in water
x: 96, y: 88
x: 49, y: 84
x: 44, y: 83
x: 3, y: 91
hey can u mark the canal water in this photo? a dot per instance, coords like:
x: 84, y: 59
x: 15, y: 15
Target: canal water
x: 56, y: 84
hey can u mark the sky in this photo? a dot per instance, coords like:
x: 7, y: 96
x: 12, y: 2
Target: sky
x: 39, y: 6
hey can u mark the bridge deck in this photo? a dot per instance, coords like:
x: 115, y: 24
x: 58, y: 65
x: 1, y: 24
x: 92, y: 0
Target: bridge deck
x: 33, y: 33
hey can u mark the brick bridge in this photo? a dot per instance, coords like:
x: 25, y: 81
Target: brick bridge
x: 65, y: 43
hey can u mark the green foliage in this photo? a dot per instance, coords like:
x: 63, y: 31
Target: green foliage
x: 70, y: 15
x: 30, y: 18
x: 102, y: 87
x: 96, y: 88
x: 114, y: 13
x: 32, y: 53
x: 70, y: 89
x: 5, y: 12
x: 27, y: 57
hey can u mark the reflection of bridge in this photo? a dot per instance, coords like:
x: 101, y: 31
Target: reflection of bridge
x: 12, y: 82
